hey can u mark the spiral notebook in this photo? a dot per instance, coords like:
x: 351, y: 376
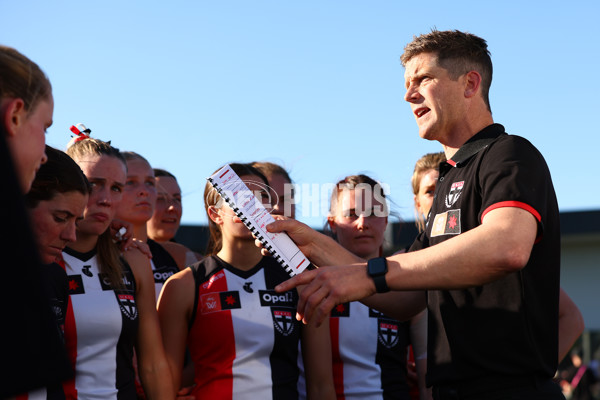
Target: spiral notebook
x: 252, y: 213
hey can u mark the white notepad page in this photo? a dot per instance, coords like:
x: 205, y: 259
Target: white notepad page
x: 252, y: 213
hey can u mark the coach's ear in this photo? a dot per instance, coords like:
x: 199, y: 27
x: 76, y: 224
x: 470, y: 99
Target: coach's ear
x: 472, y: 83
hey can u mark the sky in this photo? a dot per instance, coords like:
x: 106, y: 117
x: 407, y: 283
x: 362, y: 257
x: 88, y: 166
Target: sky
x: 316, y: 86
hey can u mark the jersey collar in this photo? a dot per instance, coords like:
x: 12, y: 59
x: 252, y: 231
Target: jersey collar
x: 81, y: 256
x: 475, y: 144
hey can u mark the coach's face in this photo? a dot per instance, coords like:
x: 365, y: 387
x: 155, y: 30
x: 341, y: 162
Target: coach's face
x: 436, y: 100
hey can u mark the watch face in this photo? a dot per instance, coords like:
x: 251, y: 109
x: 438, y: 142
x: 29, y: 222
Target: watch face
x: 377, y: 266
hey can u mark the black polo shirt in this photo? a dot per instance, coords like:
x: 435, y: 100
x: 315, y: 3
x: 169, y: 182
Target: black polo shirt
x: 508, y: 327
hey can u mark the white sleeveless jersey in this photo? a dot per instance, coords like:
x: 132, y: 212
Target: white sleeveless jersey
x: 369, y: 353
x: 100, y: 329
x: 243, y: 335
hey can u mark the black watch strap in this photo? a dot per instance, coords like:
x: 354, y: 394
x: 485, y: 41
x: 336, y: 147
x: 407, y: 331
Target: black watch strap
x: 380, y: 284
x: 377, y: 268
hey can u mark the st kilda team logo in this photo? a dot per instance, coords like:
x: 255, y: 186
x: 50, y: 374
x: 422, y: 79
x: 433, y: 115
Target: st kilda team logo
x: 448, y: 223
x: 283, y: 309
x: 283, y: 320
x: 126, y: 299
x: 127, y: 304
x: 125, y: 295
x: 387, y: 332
x: 454, y: 194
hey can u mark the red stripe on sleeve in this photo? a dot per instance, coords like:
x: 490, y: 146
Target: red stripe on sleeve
x: 517, y: 204
x: 520, y: 205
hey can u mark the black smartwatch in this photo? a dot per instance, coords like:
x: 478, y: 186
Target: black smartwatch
x: 376, y: 269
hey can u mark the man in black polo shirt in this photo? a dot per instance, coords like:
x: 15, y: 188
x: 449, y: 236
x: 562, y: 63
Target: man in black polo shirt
x: 503, y: 333
x: 490, y: 255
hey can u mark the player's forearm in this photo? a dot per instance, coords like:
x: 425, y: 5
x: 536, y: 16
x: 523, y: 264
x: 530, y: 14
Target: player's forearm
x: 157, y: 381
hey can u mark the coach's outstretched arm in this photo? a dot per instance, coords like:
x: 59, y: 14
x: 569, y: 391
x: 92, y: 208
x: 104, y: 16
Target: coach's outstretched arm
x: 473, y: 258
x: 322, y: 250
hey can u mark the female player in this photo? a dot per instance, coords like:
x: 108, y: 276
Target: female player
x: 56, y: 201
x: 112, y: 308
x: 369, y: 348
x: 35, y: 355
x: 26, y: 107
x: 243, y: 338
x: 423, y: 181
x: 166, y: 219
x: 137, y: 207
x: 282, y: 190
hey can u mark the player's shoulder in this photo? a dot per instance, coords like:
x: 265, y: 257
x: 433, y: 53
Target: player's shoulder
x: 134, y: 256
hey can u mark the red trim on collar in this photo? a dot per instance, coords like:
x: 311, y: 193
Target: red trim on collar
x: 451, y: 162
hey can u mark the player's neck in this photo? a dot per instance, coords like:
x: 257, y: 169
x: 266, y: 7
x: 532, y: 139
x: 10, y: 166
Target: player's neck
x: 84, y: 243
x: 140, y: 232
x: 242, y: 254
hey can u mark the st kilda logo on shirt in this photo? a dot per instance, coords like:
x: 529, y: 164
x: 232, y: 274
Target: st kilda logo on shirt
x: 126, y: 298
x: 387, y: 329
x: 387, y: 332
x: 125, y: 295
x: 127, y: 304
x: 454, y: 194
x: 283, y: 320
x: 283, y: 308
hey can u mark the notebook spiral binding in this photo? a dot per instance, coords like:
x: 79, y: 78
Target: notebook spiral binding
x: 252, y: 229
